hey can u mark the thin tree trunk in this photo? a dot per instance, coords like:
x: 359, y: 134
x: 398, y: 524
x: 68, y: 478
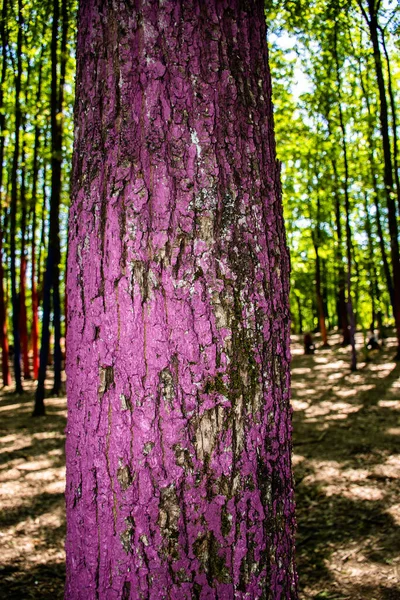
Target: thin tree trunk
x: 342, y: 307
x: 3, y: 323
x: 56, y: 198
x: 51, y: 289
x: 3, y: 304
x: 35, y: 298
x: 374, y: 289
x: 35, y: 175
x: 378, y: 218
x: 13, y: 210
x: 178, y: 440
x: 318, y: 284
x: 372, y: 20
x: 299, y: 313
x: 42, y: 243
x: 23, y: 317
x: 394, y: 119
x: 325, y: 290
x: 349, y: 300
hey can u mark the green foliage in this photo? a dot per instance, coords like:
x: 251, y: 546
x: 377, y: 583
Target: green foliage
x: 303, y: 37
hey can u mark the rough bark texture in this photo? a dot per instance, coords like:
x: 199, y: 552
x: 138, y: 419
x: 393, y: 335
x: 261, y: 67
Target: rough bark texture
x: 179, y: 479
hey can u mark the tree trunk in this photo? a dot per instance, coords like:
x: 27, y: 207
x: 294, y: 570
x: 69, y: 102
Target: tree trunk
x: 3, y: 322
x: 55, y: 202
x: 13, y: 210
x: 23, y: 317
x: 372, y: 20
x: 374, y: 289
x: 35, y: 268
x: 299, y: 313
x: 23, y: 325
x: 349, y: 299
x: 320, y: 300
x: 51, y: 288
x: 341, y: 277
x: 178, y: 441
x: 35, y: 298
x: 394, y: 119
x: 318, y: 281
x: 3, y: 304
x: 378, y: 218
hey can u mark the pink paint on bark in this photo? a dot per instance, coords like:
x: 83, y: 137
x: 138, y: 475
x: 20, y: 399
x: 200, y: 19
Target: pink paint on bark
x: 179, y: 479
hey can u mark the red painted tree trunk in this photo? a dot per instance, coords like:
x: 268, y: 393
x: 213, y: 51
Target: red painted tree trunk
x: 3, y: 304
x: 35, y: 317
x: 23, y: 320
x: 179, y: 479
x: 3, y: 323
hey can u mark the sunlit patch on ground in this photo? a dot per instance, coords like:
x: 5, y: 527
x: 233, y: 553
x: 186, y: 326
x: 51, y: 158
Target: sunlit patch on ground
x: 32, y: 514
x: 348, y: 492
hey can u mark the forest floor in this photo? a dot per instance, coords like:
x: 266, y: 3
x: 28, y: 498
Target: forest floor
x: 347, y: 470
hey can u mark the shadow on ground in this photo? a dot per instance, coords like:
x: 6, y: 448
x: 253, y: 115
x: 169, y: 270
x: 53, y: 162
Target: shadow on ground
x: 32, y: 519
x: 347, y: 470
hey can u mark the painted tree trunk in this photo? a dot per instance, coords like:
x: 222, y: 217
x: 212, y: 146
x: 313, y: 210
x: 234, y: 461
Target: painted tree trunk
x: 178, y: 448
x: 3, y: 322
x: 35, y: 319
x: 23, y: 318
x: 35, y: 268
x: 3, y: 305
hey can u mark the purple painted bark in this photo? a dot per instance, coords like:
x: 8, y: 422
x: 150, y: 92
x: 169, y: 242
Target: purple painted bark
x: 179, y: 479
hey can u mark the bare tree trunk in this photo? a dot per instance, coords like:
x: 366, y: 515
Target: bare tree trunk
x: 318, y: 282
x: 394, y: 119
x: 300, y: 314
x: 178, y: 440
x: 371, y: 17
x: 13, y: 209
x: 51, y: 288
x: 349, y: 300
x: 341, y: 278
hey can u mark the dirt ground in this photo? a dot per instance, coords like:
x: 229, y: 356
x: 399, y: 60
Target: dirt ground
x: 347, y: 469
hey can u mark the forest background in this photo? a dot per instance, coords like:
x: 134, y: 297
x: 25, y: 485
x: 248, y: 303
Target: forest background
x: 335, y: 69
